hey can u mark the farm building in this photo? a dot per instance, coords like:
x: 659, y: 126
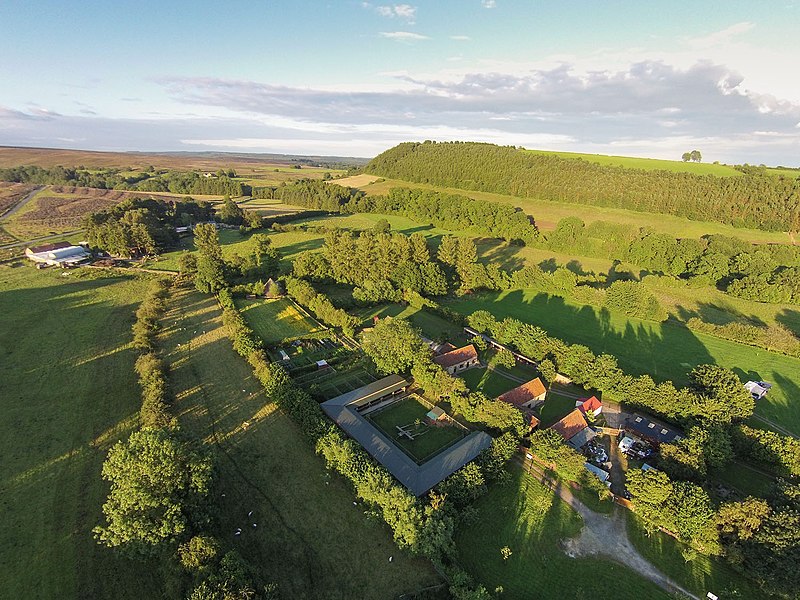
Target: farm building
x: 58, y: 254
x: 436, y: 416
x: 597, y: 471
x: 348, y: 410
x: 526, y: 395
x: 574, y: 429
x: 591, y: 405
x: 652, y: 431
x: 757, y: 389
x: 458, y: 359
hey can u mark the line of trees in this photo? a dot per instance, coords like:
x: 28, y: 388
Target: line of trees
x: 177, y: 182
x: 770, y: 203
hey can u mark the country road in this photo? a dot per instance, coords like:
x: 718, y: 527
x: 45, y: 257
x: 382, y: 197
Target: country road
x: 21, y: 203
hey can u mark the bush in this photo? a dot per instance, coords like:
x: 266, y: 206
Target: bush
x: 635, y: 300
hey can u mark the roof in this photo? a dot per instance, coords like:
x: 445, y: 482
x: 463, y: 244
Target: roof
x: 49, y: 247
x: 601, y: 475
x: 417, y: 478
x: 583, y: 437
x: 570, y: 425
x: 524, y: 393
x: 457, y: 356
x: 364, y: 394
x: 435, y: 413
x: 591, y: 405
x: 759, y: 388
x: 652, y: 430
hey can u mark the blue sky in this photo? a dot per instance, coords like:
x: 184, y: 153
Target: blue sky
x: 354, y: 77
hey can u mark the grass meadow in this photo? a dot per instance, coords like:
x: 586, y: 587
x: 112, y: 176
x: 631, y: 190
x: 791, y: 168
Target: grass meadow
x: 310, y: 538
x: 489, y: 382
x: 276, y: 320
x: 663, y: 350
x: 406, y: 413
x: 531, y: 521
x: 67, y: 393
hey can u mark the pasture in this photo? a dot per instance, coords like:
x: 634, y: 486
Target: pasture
x: 409, y: 414
x: 305, y: 516
x: 67, y: 393
x: 649, y: 164
x: 531, y: 521
x: 276, y: 320
x: 432, y: 326
x: 663, y: 350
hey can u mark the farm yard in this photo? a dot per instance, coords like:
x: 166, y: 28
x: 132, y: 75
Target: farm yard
x: 277, y: 320
x: 408, y: 414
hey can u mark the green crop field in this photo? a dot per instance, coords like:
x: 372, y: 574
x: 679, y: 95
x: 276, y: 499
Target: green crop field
x: 547, y: 214
x: 410, y: 413
x: 490, y: 383
x: 649, y: 164
x: 67, y: 393
x: 531, y: 521
x: 276, y: 320
x: 663, y: 350
x: 306, y: 521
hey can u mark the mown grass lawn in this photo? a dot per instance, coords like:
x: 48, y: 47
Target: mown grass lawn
x: 490, y: 383
x: 405, y: 413
x: 555, y: 408
x: 67, y: 393
x: 663, y: 350
x: 310, y: 539
x: 531, y: 521
x: 276, y: 320
x: 433, y: 326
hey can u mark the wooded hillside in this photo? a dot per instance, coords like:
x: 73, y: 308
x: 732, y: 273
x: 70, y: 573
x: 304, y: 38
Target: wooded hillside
x: 753, y: 200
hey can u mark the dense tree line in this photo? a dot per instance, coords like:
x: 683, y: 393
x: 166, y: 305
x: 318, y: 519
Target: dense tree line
x: 143, y: 225
x: 319, y: 304
x: 448, y: 211
x: 775, y: 338
x: 763, y: 202
x: 715, y: 396
x: 177, y: 182
x: 776, y: 452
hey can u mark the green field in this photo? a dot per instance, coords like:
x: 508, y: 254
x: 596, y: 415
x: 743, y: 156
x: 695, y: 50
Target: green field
x: 528, y: 518
x: 67, y: 393
x: 555, y: 408
x: 432, y: 326
x: 307, y: 523
x: 663, y: 350
x: 276, y: 320
x: 405, y: 413
x: 490, y: 383
x: 547, y: 214
x: 649, y: 164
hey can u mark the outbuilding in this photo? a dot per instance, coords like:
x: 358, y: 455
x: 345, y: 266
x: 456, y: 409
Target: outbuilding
x: 458, y: 360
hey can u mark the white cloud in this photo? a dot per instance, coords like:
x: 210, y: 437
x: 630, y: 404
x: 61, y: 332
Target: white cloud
x: 489, y: 3
x: 392, y: 11
x: 460, y: 38
x: 719, y: 38
x: 403, y: 36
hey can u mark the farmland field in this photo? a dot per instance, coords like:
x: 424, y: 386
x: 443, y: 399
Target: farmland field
x: 406, y: 413
x: 663, y: 350
x: 67, y: 392
x: 276, y: 320
x: 531, y: 521
x: 649, y: 164
x: 306, y: 520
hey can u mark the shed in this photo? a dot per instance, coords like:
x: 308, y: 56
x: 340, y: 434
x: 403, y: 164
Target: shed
x: 597, y: 471
x: 458, y: 359
x: 526, y: 394
x: 590, y: 405
x: 757, y: 389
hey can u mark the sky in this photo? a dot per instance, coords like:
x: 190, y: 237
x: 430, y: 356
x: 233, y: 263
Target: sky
x: 353, y: 78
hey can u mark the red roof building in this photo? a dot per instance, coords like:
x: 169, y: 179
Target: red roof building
x: 458, y: 359
x: 527, y: 394
x: 591, y: 405
x: 571, y: 425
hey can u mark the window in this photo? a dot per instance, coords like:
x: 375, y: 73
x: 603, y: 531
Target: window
x: 663, y: 432
x: 651, y: 426
x: 638, y: 419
